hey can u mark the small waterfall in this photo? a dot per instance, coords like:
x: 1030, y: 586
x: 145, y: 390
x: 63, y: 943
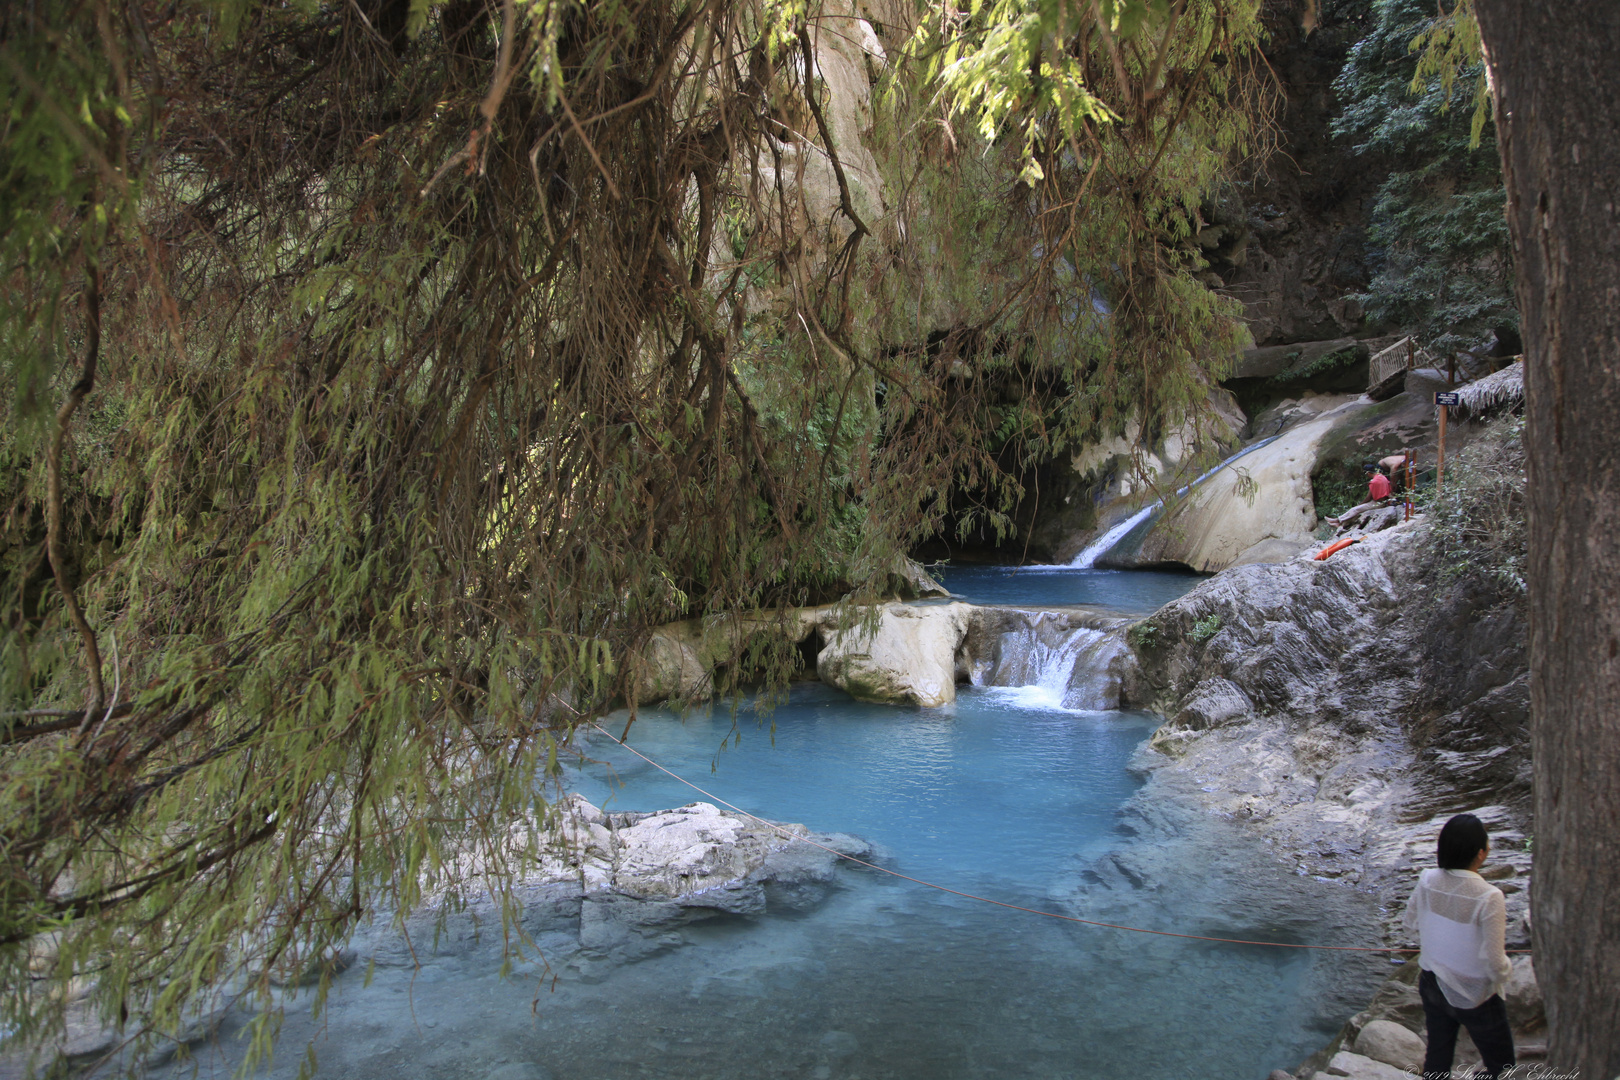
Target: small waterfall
x: 1109, y: 540
x: 1049, y: 663
x: 1105, y: 543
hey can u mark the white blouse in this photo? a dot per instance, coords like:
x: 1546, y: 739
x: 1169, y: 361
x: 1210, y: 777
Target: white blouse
x: 1461, y: 923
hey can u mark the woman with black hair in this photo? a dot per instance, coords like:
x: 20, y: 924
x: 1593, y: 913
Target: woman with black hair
x: 1461, y: 923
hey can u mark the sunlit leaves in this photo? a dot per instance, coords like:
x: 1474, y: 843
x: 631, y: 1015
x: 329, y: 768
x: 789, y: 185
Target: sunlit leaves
x: 1450, y: 49
x: 1440, y: 245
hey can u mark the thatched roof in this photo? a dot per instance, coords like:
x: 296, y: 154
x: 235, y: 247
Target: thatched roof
x: 1502, y: 390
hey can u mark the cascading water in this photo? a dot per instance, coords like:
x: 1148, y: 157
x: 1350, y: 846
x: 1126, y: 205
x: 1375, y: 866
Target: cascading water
x: 1105, y: 543
x: 1109, y: 540
x: 1049, y: 663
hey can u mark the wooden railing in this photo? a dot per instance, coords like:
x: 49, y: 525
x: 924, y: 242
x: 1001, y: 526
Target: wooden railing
x: 1403, y: 354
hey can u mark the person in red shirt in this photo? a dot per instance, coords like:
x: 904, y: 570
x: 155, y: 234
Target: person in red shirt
x: 1378, y: 487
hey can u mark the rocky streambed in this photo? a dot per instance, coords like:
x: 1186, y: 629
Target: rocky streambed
x: 1344, y: 709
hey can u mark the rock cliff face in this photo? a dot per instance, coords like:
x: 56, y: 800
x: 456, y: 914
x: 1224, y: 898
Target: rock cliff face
x: 1293, y: 241
x: 1263, y: 496
x: 1346, y: 707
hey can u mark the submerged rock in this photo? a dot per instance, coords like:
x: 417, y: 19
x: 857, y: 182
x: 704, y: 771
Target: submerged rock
x: 520, y: 1070
x: 605, y: 889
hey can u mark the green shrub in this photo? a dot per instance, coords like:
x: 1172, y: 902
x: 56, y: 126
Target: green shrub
x: 1337, y: 489
x: 1300, y: 372
x: 1144, y: 635
x: 1479, y: 515
x: 1204, y: 629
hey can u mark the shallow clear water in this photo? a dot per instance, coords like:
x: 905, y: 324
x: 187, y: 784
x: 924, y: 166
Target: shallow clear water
x: 951, y: 793
x: 1129, y: 592
x: 1004, y: 794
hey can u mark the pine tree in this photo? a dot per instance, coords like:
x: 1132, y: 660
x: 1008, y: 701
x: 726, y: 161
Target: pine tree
x: 1439, y: 240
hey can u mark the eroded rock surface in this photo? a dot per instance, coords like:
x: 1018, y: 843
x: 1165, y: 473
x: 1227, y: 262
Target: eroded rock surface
x: 1080, y: 655
x: 1264, y: 495
x: 607, y: 888
x: 1347, y: 708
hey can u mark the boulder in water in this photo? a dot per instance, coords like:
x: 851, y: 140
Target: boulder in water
x: 908, y: 655
x: 605, y: 889
x: 672, y: 665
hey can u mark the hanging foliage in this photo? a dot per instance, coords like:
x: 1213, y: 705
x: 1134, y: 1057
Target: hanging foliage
x: 379, y: 374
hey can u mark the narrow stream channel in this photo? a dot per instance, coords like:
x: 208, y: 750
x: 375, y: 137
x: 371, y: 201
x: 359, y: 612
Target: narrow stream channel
x: 1001, y: 794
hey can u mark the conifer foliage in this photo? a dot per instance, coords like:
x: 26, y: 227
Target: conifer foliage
x: 378, y: 374
x: 1439, y: 236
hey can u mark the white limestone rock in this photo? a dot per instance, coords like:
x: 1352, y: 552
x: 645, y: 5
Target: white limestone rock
x: 695, y: 854
x: 1389, y: 1042
x: 1359, y: 1067
x: 909, y: 656
x: 1265, y: 495
x: 672, y: 665
x: 1271, y: 550
x: 602, y: 889
x: 678, y: 660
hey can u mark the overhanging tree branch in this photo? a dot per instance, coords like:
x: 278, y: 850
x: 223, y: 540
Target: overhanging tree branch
x: 53, y: 505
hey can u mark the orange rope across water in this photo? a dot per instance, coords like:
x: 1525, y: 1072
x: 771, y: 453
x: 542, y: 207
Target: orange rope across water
x: 985, y: 899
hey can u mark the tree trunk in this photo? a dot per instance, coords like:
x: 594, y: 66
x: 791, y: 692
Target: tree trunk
x: 1555, y: 71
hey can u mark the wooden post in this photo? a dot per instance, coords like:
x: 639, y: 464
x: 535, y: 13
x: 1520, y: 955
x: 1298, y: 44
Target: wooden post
x: 1411, y: 482
x: 1440, y: 464
x: 1411, y: 356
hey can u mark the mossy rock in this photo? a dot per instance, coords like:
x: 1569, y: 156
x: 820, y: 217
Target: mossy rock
x: 1339, y: 480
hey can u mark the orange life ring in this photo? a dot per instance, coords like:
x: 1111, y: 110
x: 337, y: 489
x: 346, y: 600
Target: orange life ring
x: 1336, y: 546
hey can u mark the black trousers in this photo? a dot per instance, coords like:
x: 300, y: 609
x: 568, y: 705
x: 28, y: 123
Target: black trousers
x: 1487, y: 1025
